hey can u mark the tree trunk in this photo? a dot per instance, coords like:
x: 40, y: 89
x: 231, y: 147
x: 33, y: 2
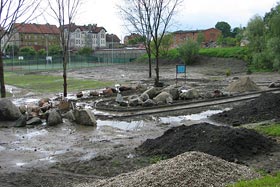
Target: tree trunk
x: 150, y: 66
x: 2, y: 82
x: 64, y: 76
x: 157, y: 71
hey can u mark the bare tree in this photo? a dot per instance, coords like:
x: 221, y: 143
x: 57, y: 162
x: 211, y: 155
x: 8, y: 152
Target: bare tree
x: 151, y: 18
x: 12, y: 11
x: 64, y: 12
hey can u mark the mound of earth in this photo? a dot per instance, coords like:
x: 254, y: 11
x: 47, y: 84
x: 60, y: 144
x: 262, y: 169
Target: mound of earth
x: 188, y: 169
x: 231, y: 144
x: 265, y: 107
x: 244, y: 84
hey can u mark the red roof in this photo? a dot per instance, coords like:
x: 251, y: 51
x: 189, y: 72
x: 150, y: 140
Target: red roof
x: 90, y: 28
x: 33, y: 28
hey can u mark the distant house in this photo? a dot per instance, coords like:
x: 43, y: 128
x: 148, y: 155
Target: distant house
x: 112, y: 41
x: 134, y: 40
x: 90, y: 36
x: 38, y: 36
x: 210, y: 35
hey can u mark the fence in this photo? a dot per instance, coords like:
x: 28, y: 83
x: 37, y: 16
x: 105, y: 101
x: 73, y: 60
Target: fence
x: 40, y: 63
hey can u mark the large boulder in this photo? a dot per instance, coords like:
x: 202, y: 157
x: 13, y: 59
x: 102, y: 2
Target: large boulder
x: 189, y: 94
x: 152, y: 92
x: 134, y: 100
x: 54, y: 118
x: 9, y: 111
x: 173, y: 90
x: 84, y: 117
x: 149, y: 103
x: 163, y: 98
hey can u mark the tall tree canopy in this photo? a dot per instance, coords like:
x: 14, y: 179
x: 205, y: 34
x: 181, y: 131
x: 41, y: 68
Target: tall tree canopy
x: 224, y: 27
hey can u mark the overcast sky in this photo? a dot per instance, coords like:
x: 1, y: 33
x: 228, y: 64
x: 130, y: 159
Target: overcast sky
x: 192, y: 15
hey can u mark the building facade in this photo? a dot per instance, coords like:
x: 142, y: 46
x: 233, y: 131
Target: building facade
x: 38, y: 36
x: 89, y: 36
x: 209, y: 35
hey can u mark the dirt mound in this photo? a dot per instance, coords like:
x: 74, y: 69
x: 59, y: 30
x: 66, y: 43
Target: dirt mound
x: 231, y: 144
x: 265, y: 107
x: 188, y: 169
x: 244, y: 84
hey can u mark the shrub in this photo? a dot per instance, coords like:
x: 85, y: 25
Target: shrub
x: 189, y: 51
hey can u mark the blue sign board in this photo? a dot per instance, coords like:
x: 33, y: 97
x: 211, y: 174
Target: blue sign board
x: 180, y: 68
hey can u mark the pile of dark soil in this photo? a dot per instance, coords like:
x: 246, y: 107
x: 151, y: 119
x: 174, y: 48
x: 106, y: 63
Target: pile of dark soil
x: 265, y: 107
x: 231, y: 144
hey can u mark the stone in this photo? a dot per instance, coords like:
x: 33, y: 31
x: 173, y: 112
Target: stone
x: 149, y: 103
x: 79, y: 94
x: 45, y: 107
x: 64, y: 105
x: 54, y: 118
x: 20, y: 122
x: 94, y: 94
x: 84, y: 117
x: 189, y: 94
x: 34, y: 121
x: 43, y: 101
x: 22, y: 109
x: 173, y: 90
x: 152, y: 92
x: 119, y: 98
x: 124, y: 88
x: 108, y: 92
x: 134, y: 101
x: 69, y: 115
x: 144, y: 97
x: 9, y: 111
x: 163, y: 98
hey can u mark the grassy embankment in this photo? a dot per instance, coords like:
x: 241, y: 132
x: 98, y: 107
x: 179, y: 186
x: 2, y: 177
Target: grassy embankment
x: 51, y: 84
x: 267, y: 180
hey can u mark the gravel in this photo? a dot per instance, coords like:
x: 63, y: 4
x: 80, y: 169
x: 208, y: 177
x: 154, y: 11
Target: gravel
x: 188, y: 169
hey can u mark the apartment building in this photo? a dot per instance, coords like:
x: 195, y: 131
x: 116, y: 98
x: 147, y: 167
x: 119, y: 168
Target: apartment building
x: 38, y: 36
x: 90, y: 36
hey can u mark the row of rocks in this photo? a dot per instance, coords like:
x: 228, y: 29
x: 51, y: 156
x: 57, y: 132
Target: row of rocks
x: 53, y: 114
x: 158, y: 96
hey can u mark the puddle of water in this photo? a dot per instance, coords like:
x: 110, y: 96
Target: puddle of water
x: 24, y: 101
x: 194, y: 117
x: 2, y: 148
x: 123, y: 125
x: 50, y: 159
x: 19, y: 164
x: 32, y: 134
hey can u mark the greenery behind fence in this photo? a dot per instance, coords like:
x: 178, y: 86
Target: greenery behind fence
x: 40, y: 63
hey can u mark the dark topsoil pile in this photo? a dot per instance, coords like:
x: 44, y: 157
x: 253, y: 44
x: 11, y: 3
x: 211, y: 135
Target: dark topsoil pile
x: 265, y: 107
x: 231, y: 144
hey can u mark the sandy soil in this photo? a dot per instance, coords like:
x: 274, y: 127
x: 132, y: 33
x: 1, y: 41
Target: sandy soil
x: 69, y: 154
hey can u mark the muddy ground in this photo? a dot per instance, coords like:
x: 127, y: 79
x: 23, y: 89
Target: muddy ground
x: 69, y: 154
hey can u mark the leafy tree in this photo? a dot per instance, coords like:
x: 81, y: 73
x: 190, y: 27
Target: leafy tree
x: 189, y: 51
x: 85, y: 51
x: 42, y: 52
x: 27, y: 51
x: 55, y: 50
x: 165, y: 45
x: 12, y: 50
x: 256, y: 34
x: 224, y: 27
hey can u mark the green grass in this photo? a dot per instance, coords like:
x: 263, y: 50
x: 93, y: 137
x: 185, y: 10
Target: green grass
x: 270, y: 130
x: 266, y: 181
x: 226, y: 52
x: 51, y: 84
